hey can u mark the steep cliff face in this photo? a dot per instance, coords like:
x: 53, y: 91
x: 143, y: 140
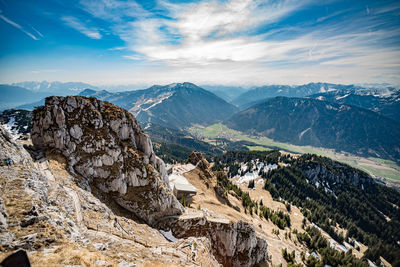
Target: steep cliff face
x: 234, y: 244
x: 106, y: 150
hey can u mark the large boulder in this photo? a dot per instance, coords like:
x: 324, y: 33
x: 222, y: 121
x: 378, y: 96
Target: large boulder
x: 106, y: 148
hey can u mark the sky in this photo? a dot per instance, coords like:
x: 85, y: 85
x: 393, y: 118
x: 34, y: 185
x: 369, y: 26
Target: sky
x: 217, y: 42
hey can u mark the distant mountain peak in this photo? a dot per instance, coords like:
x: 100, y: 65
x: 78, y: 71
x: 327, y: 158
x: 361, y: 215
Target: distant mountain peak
x: 88, y: 91
x: 175, y: 105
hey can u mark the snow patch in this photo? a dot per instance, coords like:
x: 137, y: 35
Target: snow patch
x: 152, y: 101
x: 10, y: 127
x: 166, y: 96
x: 247, y: 177
x: 341, y: 97
x: 168, y: 235
x: 303, y: 132
x: 176, y: 177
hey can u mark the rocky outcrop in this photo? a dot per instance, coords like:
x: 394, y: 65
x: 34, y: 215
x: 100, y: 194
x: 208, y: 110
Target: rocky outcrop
x: 208, y: 176
x: 11, y: 149
x: 332, y: 175
x: 60, y: 224
x: 106, y: 149
x: 234, y: 244
x: 24, y: 199
x: 197, y: 159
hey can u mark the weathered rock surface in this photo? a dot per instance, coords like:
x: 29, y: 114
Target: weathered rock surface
x: 11, y: 149
x: 24, y: 199
x: 61, y: 224
x: 3, y: 215
x: 234, y: 244
x: 106, y: 149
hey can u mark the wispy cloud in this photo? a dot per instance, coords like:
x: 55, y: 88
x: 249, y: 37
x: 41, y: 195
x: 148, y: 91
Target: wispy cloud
x: 44, y: 71
x: 114, y: 10
x: 223, y: 37
x: 220, y: 19
x: 37, y: 32
x: 238, y: 41
x: 195, y: 32
x: 16, y: 25
x: 76, y: 24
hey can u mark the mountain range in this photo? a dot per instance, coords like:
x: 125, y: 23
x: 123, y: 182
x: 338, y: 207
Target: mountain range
x: 56, y: 88
x: 228, y: 93
x: 258, y: 94
x: 355, y: 119
x: 303, y: 121
x: 176, y: 105
x: 89, y: 172
x: 12, y: 96
x: 388, y: 105
x: 269, y: 91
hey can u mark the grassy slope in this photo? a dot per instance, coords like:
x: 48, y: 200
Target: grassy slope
x: 375, y: 166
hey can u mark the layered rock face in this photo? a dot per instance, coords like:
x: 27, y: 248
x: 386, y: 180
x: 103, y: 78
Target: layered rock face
x: 234, y: 244
x: 106, y: 148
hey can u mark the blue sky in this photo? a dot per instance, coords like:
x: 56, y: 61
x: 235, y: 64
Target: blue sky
x: 236, y: 42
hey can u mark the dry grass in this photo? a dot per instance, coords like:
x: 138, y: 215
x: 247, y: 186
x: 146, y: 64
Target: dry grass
x: 69, y: 254
x: 206, y: 198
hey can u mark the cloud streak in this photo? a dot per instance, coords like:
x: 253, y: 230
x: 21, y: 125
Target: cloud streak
x: 19, y: 27
x: 76, y: 24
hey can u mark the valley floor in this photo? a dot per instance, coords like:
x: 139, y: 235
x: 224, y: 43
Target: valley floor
x: 384, y: 170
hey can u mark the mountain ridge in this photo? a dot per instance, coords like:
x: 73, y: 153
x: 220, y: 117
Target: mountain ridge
x: 303, y: 121
x: 176, y: 105
x: 269, y: 91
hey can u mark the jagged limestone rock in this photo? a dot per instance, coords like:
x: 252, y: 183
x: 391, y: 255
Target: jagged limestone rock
x: 105, y: 147
x: 233, y: 243
x: 9, y: 148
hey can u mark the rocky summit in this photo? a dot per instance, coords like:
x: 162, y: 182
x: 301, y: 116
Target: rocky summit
x: 108, y: 152
x: 80, y: 195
